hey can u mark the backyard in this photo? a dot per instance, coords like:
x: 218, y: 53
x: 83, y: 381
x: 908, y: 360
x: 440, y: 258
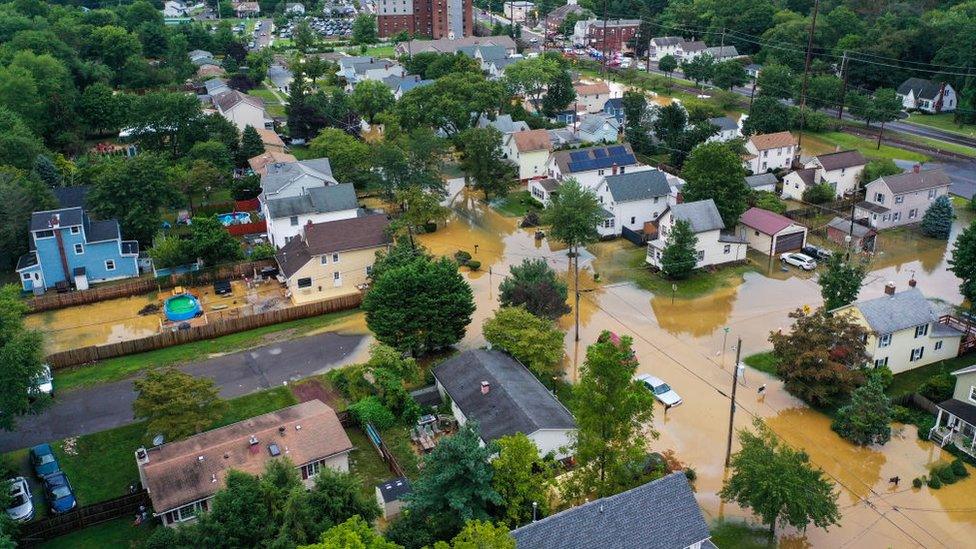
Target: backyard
x: 516, y: 204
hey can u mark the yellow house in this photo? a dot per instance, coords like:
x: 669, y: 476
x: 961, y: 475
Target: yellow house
x: 333, y: 258
x: 903, y: 330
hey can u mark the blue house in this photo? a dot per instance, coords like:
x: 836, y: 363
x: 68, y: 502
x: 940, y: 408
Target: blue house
x: 69, y: 249
x: 615, y: 107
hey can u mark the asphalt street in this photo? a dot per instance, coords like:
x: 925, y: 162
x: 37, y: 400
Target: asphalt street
x: 106, y: 406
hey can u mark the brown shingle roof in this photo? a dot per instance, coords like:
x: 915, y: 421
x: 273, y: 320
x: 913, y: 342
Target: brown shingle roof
x: 270, y: 137
x: 175, y: 475
x: 261, y: 161
x: 808, y: 175
x: 773, y: 140
x: 232, y: 98
x: 532, y: 140
x: 842, y: 159
x: 592, y: 89
x: 911, y: 181
x: 333, y: 236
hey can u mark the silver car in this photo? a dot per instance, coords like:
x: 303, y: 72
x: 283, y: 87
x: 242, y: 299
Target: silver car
x: 661, y: 390
x: 21, y: 505
x: 802, y: 261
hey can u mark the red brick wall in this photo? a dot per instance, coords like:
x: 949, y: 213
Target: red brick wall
x: 389, y: 25
x: 617, y: 37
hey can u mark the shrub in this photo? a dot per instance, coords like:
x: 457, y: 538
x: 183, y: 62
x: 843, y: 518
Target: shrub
x: 474, y: 264
x: 934, y: 483
x: 938, y: 387
x: 818, y: 194
x: 462, y: 257
x: 917, y: 482
x: 959, y: 468
x: 901, y: 414
x: 690, y: 474
x: 262, y: 251
x: 371, y: 410
x: 946, y: 475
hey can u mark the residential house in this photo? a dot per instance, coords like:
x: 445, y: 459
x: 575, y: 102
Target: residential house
x: 721, y: 53
x: 661, y: 514
x: 67, y: 248
x: 517, y: 11
x: 529, y: 149
x: 174, y: 8
x: 332, y: 258
x: 633, y: 199
x: 598, y: 128
x: 904, y: 332
x: 686, y: 51
x: 390, y: 496
x: 591, y: 97
x: 281, y: 77
x: 260, y: 162
x: 505, y: 398
x: 72, y: 197
x: 555, y: 18
x: 797, y: 182
x: 543, y: 189
x: 959, y: 427
x: 408, y: 84
x: 271, y: 140
x: 347, y: 65
x: 662, y: 46
x: 294, y: 8
x: 208, y: 71
x: 242, y: 110
x: 589, y: 165
x: 503, y: 123
x: 610, y: 36
x: 485, y: 54
x: 564, y: 137
x: 615, y: 107
x: 447, y: 45
x: 854, y: 235
x: 769, y: 152
x: 728, y: 129
x: 201, y: 57
x: 841, y: 170
x: 753, y: 70
x: 243, y: 10
x: 496, y: 67
x: 770, y: 232
x: 373, y: 69
x: 927, y: 95
x: 216, y: 86
x: 287, y: 217
x: 762, y: 182
x: 902, y: 199
x: 182, y: 477
x: 715, y: 246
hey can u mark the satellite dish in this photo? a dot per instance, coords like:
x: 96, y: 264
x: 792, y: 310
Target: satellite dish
x: 158, y: 440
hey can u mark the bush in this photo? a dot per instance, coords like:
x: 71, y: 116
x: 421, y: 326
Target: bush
x: 946, y: 475
x: 818, y: 194
x: 246, y: 188
x: 262, y: 251
x: 474, y: 264
x: 924, y: 427
x: 938, y: 387
x: 690, y: 474
x: 371, y: 410
x: 7, y: 468
x: 934, y: 483
x: 959, y: 468
x: 901, y: 414
x: 462, y: 257
x: 917, y: 482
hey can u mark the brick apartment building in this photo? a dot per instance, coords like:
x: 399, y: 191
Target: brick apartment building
x: 433, y: 18
x: 618, y: 33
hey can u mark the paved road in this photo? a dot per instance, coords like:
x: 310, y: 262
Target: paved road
x: 92, y: 409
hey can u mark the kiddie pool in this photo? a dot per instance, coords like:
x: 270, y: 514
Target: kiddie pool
x: 181, y: 307
x: 234, y: 218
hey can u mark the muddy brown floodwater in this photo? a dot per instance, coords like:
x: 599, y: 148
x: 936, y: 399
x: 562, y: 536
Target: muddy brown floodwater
x: 683, y: 343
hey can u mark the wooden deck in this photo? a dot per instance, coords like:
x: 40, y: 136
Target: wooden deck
x: 967, y: 327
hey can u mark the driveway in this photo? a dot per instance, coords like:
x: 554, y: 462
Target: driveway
x: 92, y: 409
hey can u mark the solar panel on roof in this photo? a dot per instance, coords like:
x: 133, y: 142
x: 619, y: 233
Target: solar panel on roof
x: 599, y: 153
x: 578, y: 156
x: 618, y: 150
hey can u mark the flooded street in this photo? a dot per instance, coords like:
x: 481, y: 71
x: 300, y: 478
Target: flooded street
x: 682, y: 342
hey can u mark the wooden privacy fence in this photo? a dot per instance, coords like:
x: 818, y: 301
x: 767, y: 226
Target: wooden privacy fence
x: 241, y: 229
x: 39, y: 531
x: 840, y: 208
x: 373, y: 434
x: 94, y: 353
x: 142, y: 285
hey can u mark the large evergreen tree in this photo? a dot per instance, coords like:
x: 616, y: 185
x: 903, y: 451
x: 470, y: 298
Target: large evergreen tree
x: 714, y: 170
x: 937, y: 221
x: 867, y: 419
x: 680, y: 256
x: 963, y: 262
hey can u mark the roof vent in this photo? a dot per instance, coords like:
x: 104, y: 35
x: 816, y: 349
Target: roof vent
x: 485, y: 387
x: 200, y: 458
x: 281, y: 430
x: 142, y: 456
x: 253, y: 440
x: 298, y: 427
x: 213, y: 477
x: 890, y: 288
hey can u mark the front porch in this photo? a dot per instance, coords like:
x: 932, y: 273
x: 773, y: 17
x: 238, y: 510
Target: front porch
x: 959, y: 427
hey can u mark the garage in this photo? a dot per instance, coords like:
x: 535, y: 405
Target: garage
x: 790, y: 241
x: 771, y: 233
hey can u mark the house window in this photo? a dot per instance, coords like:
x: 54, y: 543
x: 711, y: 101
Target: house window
x: 311, y: 469
x: 917, y: 354
x: 938, y: 345
x: 701, y: 255
x: 899, y: 199
x: 913, y: 213
x: 75, y: 230
x: 109, y: 264
x: 757, y: 233
x: 921, y: 330
x: 305, y: 282
x: 369, y: 270
x: 896, y: 216
x: 79, y: 249
x: 880, y: 362
x: 931, y: 194
x: 293, y: 220
x: 25, y: 276
x: 607, y: 223
x: 335, y: 258
x: 325, y: 260
x: 655, y: 199
x: 44, y: 234
x: 599, y: 172
x: 623, y: 169
x: 633, y: 220
x: 728, y: 249
x: 972, y: 393
x: 884, y: 340
x: 879, y: 198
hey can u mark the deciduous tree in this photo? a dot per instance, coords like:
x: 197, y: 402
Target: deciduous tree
x: 113, y: 195
x: 478, y: 534
x: 364, y: 29
x: 699, y: 69
x: 21, y: 353
x: 533, y: 284
x: 529, y: 77
x: 353, y: 533
x: 680, y: 256
x: 768, y: 115
x: 371, y: 97
x: 728, y: 74
x: 176, y: 404
x: 482, y: 160
x: 560, y: 94
x: 668, y: 64
x: 841, y: 281
x: 714, y: 170
x: 521, y: 479
x: 210, y: 241
x: 348, y: 156
x: 533, y: 340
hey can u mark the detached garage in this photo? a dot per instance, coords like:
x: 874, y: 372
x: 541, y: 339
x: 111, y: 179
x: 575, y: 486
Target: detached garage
x: 770, y: 232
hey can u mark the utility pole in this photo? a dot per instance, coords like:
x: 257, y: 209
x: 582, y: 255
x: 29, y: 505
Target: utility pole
x: 843, y: 90
x: 752, y: 94
x: 735, y: 383
x: 576, y: 268
x: 806, y: 74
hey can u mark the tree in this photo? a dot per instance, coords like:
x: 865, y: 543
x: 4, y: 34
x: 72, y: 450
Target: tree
x: 636, y: 130
x: 354, y: 533
x: 670, y: 122
x: 418, y: 209
x: 776, y: 82
x: 728, y: 74
x: 841, y: 281
x: 819, y: 193
x: 453, y: 103
x: 680, y: 256
x: 867, y: 419
x: 238, y: 516
x: 482, y: 160
x: 364, y: 29
x: 529, y: 77
x: 337, y: 496
x: 419, y: 306
x: 371, y: 410
x: 251, y: 144
x: 478, y: 534
x: 963, y: 262
x: 887, y: 107
x: 215, y: 153
x: 778, y: 483
x: 937, y: 221
x: 668, y: 64
x: 823, y: 91
x: 521, y: 479
x: 176, y: 404
x: 532, y: 340
x: 455, y: 484
x: 699, y: 68
x: 348, y: 156
x: 20, y: 196
x: 371, y: 97
x: 412, y: 160
x: 768, y: 201
x: 560, y: 94
x: 612, y: 412
x: 714, y: 170
x: 572, y: 217
x: 114, y: 196
x: 768, y: 115
x: 21, y: 351
x: 210, y: 241
x: 170, y: 251
x: 18, y: 144
x: 822, y: 359
x: 303, y: 37
x: 879, y: 168
x: 533, y: 284
x: 47, y: 172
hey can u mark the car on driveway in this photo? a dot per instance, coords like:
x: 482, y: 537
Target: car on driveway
x: 661, y: 390
x: 43, y: 383
x: 43, y: 460
x: 21, y: 505
x: 60, y: 496
x: 802, y: 261
x: 816, y: 252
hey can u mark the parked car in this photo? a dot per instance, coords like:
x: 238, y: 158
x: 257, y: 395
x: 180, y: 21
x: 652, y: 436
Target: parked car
x: 60, y: 496
x: 661, y: 390
x: 816, y: 252
x: 223, y: 287
x: 802, y: 261
x: 43, y: 384
x: 43, y: 460
x: 21, y: 503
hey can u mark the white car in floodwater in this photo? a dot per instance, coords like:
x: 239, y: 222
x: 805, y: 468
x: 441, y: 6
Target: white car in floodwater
x: 661, y: 390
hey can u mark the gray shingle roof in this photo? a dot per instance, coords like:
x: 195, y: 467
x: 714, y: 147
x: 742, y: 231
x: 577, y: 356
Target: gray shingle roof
x: 844, y: 225
x: 71, y: 197
x: 333, y: 198
x: 842, y: 159
x: 925, y: 89
x: 216, y: 86
x: 701, y: 215
x: 724, y: 123
x: 27, y: 260
x: 720, y: 52
x: 280, y: 175
x: 667, y: 40
x: 632, y: 186
x: 761, y: 180
x: 66, y: 217
x: 97, y: 231
x: 492, y: 53
x: 660, y: 514
x: 517, y: 402
x: 503, y: 123
x: 394, y: 489
x: 890, y: 313
x: 911, y: 181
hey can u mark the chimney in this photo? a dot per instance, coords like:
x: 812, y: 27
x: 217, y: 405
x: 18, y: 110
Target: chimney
x: 916, y: 168
x: 281, y: 430
x: 890, y: 288
x: 252, y: 440
x: 485, y: 387
x: 614, y: 169
x: 142, y: 456
x: 912, y: 282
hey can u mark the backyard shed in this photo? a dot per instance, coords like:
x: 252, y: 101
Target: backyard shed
x: 770, y: 232
x: 389, y: 496
x: 862, y: 237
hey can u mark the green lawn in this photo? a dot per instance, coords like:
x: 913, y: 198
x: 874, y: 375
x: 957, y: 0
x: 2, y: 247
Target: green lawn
x: 909, y: 382
x: 264, y: 93
x: 726, y: 533
x: 116, y: 533
x: 943, y: 122
x: 380, y: 50
x: 819, y: 143
x: 365, y: 462
x: 701, y: 282
x: 764, y: 362
x: 115, y: 369
x: 516, y: 204
x: 939, y: 144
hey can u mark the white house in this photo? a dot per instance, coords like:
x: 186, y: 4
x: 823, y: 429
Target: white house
x: 797, y: 182
x: 503, y: 123
x: 728, y: 129
x: 242, y: 110
x: 665, y: 45
x: 769, y: 152
x: 841, y: 170
x: 686, y: 51
x: 926, y: 95
x: 281, y: 77
x: 721, y: 53
x: 505, y: 398
x: 901, y: 199
x: 589, y: 165
x: 762, y: 182
x: 634, y: 199
x: 294, y: 8
x: 904, y: 332
x: 517, y: 11
x: 543, y: 189
x: 770, y: 232
x: 173, y: 8
x: 592, y: 97
x: 598, y: 128
x: 529, y: 149
x: 715, y: 246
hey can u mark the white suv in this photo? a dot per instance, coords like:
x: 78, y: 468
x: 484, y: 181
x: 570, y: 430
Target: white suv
x: 21, y: 505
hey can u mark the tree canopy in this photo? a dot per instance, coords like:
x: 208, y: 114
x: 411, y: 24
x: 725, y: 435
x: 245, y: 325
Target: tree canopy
x: 533, y: 284
x: 714, y: 170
